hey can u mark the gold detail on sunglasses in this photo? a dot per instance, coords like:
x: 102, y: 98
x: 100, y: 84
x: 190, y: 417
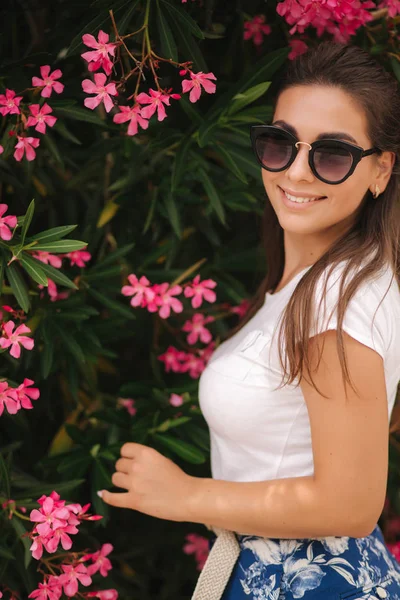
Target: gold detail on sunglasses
x: 309, y: 145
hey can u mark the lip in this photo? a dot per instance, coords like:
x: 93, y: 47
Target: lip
x: 296, y: 205
x: 297, y: 194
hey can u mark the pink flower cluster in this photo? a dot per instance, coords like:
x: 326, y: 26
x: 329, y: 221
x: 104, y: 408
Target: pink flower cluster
x: 40, y: 115
x: 55, y: 523
x: 256, y: 29
x: 77, y: 257
x: 197, y: 545
x: 341, y: 18
x: 179, y: 361
x: 13, y: 399
x: 145, y: 104
x: 160, y: 297
x: 6, y: 223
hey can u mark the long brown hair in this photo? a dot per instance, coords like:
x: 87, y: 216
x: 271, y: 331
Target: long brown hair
x: 376, y: 230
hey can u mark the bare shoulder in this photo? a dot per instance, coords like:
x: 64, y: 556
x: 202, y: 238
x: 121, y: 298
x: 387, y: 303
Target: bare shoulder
x: 349, y: 436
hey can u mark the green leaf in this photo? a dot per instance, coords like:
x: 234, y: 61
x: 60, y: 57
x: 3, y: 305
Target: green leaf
x: 149, y: 218
x: 229, y: 162
x: 178, y: 14
x: 4, y: 478
x: 110, y: 258
x: 167, y: 42
x: 212, y: 194
x: 79, y: 114
x: 124, y: 22
x: 395, y: 64
x: 60, y: 246
x: 63, y: 487
x: 70, y: 343
x: 246, y: 161
x: 183, y: 449
x: 115, y: 306
x: 33, y: 270
x: 189, y: 47
x: 20, y: 531
x: 55, y: 274
x: 53, y: 149
x: 207, y: 132
x: 171, y: 423
x: 60, y: 128
x: 55, y: 233
x: 47, y: 353
x: 18, y: 286
x: 93, y: 27
x: 173, y: 214
x: 27, y: 221
x: 242, y: 99
x: 180, y: 162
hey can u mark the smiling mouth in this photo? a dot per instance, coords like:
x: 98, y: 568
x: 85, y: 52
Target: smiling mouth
x: 301, y: 200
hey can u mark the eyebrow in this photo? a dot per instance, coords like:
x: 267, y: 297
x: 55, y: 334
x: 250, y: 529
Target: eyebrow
x: 322, y: 136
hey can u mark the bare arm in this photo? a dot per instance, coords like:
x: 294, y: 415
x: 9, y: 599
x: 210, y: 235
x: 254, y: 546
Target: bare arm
x: 345, y: 496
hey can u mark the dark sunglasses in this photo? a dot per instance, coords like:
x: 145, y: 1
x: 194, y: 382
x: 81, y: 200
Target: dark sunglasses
x: 331, y: 161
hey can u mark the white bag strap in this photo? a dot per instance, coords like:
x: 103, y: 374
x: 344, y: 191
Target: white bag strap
x: 218, y: 566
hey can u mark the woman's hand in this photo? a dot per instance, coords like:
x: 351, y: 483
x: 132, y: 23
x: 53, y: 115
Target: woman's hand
x: 155, y: 485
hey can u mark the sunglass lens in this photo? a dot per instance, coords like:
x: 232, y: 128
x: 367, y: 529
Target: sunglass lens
x: 332, y: 163
x: 274, y: 150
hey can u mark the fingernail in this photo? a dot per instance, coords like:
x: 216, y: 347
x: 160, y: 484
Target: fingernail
x: 100, y: 493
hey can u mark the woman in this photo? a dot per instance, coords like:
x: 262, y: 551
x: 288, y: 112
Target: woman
x: 300, y: 466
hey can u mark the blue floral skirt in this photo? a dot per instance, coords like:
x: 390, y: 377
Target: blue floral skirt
x: 330, y: 568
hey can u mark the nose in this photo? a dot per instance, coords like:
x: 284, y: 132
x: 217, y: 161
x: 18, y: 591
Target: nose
x: 300, y: 170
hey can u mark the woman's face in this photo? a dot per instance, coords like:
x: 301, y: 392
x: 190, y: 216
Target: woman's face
x: 312, y: 110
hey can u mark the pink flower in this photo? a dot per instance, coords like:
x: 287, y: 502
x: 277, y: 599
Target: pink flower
x: 99, y: 58
x: 40, y: 117
x: 100, y: 561
x: 6, y: 223
x: 200, y: 290
x: 1, y: 152
x: 393, y: 7
x: 256, y: 29
x: 242, y: 308
x: 50, y: 517
x: 197, y: 545
x: 175, y: 400
x: 48, y: 259
x: 8, y: 399
x: 25, y: 393
x: 79, y: 257
x: 53, y: 292
x: 10, y: 103
x: 48, y: 81
x: 172, y: 358
x: 104, y: 594
x: 205, y: 353
x: 197, y: 329
x: 156, y: 102
x: 26, y: 145
x: 134, y: 116
x: 51, y: 589
x: 197, y: 80
x: 165, y: 299
x: 297, y: 48
x: 104, y: 92
x: 139, y: 290
x: 14, y: 338
x: 73, y: 574
x: 193, y: 364
x: 128, y: 403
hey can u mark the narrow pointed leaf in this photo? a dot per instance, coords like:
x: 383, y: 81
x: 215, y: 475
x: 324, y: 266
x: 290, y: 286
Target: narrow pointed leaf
x: 55, y: 275
x: 34, y: 271
x: 60, y: 246
x: 167, y: 42
x: 27, y: 220
x: 173, y: 214
x: 53, y: 234
x: 212, y: 195
x: 183, y: 449
x: 18, y: 286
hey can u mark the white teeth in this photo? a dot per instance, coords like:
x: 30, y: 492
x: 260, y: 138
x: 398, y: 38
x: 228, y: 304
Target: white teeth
x: 299, y: 200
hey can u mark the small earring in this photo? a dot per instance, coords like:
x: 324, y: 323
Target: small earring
x: 377, y: 192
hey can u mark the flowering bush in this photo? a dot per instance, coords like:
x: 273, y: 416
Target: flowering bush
x: 129, y: 122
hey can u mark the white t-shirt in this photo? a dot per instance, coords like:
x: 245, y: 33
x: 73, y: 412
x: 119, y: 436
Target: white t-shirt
x: 260, y: 433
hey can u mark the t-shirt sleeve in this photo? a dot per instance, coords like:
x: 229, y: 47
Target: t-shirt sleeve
x: 366, y: 315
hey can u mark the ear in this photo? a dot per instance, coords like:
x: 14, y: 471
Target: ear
x: 384, y: 168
